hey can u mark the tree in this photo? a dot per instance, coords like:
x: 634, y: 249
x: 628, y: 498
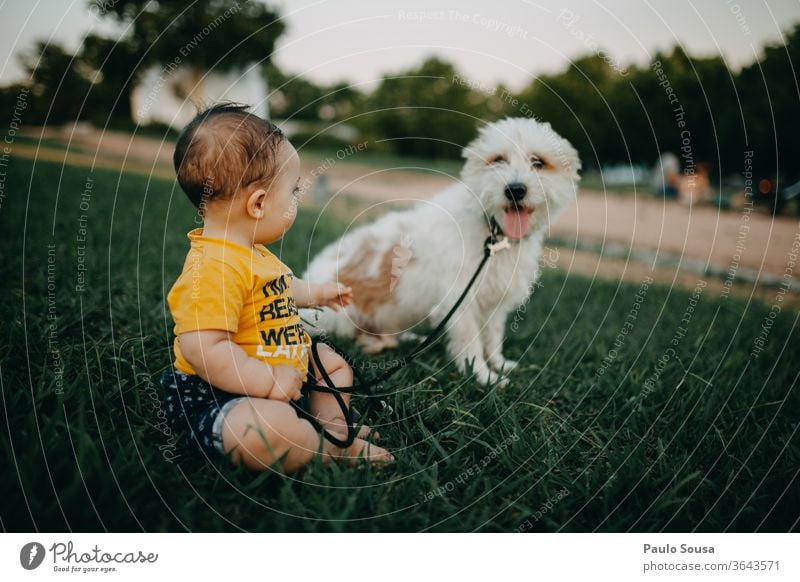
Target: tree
x: 293, y: 97
x: 699, y: 119
x: 296, y: 98
x: 205, y: 34
x: 58, y: 84
x: 425, y: 111
x: 675, y: 102
x: 771, y: 101
x: 116, y: 66
x: 579, y: 103
x: 342, y: 100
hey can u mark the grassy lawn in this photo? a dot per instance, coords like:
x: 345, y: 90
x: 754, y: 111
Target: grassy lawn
x: 590, y: 435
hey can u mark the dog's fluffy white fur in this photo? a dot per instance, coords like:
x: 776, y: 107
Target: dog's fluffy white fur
x: 408, y: 268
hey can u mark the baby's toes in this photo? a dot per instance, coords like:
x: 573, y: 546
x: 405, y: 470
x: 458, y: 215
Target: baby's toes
x: 364, y: 450
x: 366, y: 431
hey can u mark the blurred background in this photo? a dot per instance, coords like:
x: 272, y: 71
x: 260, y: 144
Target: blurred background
x: 686, y: 106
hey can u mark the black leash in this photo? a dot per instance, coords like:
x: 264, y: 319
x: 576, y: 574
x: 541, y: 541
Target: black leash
x: 495, y: 242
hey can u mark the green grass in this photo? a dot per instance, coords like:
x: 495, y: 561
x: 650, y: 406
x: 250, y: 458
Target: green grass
x: 712, y: 449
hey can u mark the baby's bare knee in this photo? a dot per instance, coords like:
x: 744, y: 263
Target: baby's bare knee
x: 261, y: 433
x: 332, y: 361
x: 345, y: 374
x: 261, y: 446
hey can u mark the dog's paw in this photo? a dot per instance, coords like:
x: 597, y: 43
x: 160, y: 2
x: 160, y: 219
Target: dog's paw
x: 486, y: 376
x: 501, y: 364
x: 375, y: 344
x: 410, y: 336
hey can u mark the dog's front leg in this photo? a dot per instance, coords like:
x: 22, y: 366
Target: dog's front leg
x: 493, y: 334
x: 465, y: 345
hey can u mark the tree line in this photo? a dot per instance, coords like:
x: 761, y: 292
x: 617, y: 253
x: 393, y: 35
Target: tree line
x: 696, y: 107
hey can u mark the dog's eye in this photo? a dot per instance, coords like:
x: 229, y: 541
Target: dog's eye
x: 498, y: 160
x: 537, y: 163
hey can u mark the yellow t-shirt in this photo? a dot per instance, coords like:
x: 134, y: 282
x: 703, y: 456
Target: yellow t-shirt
x: 247, y: 292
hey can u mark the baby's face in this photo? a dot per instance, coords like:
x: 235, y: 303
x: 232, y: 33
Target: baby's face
x: 282, y: 197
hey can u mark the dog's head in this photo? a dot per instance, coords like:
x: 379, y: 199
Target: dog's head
x: 522, y: 173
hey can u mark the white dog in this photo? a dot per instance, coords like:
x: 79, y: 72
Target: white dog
x: 408, y: 268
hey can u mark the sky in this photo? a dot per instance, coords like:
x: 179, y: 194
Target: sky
x: 508, y: 41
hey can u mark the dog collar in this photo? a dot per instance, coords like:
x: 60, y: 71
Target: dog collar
x: 495, y: 230
x: 497, y: 240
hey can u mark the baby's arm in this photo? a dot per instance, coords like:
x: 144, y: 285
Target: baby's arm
x: 330, y: 294
x: 224, y: 364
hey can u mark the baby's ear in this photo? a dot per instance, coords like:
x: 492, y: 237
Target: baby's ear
x: 257, y: 204
x: 469, y: 152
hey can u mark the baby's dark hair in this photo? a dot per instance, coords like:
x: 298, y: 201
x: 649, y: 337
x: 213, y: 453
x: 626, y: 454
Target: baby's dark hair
x: 225, y: 148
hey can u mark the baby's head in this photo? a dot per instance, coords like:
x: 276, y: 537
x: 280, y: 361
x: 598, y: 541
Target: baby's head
x: 240, y: 171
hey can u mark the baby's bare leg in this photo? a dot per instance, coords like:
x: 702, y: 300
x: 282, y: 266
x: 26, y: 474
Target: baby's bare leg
x: 323, y: 405
x: 258, y: 432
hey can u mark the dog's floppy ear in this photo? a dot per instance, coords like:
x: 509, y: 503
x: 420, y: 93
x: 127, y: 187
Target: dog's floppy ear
x: 468, y: 151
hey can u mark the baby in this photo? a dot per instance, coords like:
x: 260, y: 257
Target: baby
x: 241, y: 353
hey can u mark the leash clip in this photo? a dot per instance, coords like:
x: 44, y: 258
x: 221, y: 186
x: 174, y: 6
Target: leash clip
x: 386, y: 407
x: 501, y: 244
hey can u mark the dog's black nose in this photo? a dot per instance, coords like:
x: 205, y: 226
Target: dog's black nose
x: 516, y: 191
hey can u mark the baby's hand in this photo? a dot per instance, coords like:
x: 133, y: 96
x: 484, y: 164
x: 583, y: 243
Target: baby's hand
x: 335, y: 295
x: 287, y: 383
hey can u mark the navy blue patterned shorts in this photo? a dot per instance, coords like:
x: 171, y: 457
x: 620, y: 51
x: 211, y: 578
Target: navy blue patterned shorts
x: 196, y: 409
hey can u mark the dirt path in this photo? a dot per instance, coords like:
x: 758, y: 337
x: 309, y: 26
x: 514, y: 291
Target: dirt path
x: 661, y: 233
x: 752, y: 244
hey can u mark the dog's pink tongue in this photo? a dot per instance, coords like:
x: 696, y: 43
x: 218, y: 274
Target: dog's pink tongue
x: 516, y: 223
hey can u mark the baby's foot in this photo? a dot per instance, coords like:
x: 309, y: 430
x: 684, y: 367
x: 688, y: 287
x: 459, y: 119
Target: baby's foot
x: 365, y: 450
x: 337, y: 426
